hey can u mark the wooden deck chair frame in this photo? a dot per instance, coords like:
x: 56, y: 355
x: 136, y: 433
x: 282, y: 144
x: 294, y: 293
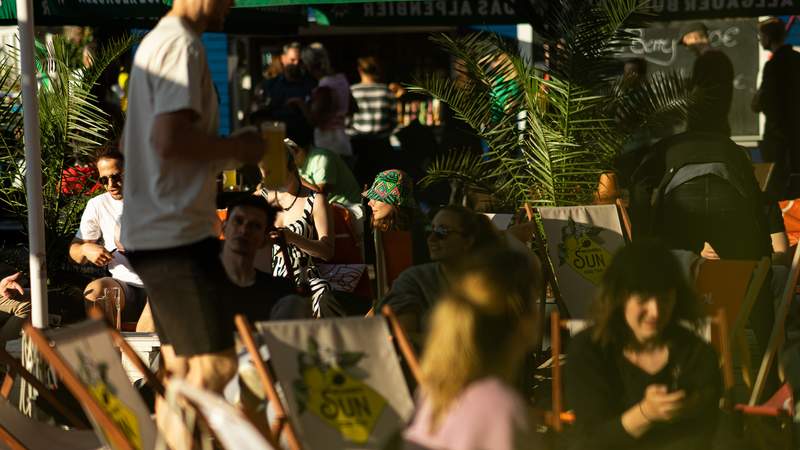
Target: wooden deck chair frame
x: 737, y: 329
x: 763, y: 173
x: 540, y: 248
x: 49, y: 351
x: 557, y: 416
x: 16, y: 368
x: 282, y: 422
x: 776, y: 336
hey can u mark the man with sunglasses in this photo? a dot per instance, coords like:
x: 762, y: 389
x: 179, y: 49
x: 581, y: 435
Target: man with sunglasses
x: 96, y: 242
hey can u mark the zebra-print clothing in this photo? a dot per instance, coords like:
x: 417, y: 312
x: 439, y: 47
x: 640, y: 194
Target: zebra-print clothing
x: 304, y: 226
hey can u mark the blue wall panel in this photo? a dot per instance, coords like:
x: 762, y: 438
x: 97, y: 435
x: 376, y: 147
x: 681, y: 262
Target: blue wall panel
x: 216, y: 45
x: 217, y: 53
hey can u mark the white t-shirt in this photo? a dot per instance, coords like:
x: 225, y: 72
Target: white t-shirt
x: 100, y: 221
x: 168, y: 203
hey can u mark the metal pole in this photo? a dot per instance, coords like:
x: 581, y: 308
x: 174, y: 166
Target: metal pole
x: 33, y: 166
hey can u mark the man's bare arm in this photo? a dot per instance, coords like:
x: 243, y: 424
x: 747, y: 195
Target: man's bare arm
x: 174, y: 136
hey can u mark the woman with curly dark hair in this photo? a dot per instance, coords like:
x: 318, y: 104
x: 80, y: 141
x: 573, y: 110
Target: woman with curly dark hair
x: 640, y: 377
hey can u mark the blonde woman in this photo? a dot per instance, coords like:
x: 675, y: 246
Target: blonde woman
x: 479, y: 334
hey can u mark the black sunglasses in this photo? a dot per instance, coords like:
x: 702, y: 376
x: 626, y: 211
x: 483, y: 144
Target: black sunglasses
x: 441, y: 232
x: 116, y: 178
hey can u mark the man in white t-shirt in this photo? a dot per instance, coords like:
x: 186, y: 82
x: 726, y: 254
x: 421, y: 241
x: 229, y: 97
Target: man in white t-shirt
x: 172, y: 158
x: 97, y: 238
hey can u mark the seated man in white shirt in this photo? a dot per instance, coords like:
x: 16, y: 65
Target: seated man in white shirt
x: 97, y: 242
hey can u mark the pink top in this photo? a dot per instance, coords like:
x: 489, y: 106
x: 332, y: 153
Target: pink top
x: 489, y: 415
x: 341, y: 99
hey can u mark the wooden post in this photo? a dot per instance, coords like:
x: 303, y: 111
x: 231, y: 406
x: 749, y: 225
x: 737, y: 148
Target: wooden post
x: 555, y: 345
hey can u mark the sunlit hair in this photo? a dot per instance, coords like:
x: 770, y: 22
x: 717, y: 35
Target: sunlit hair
x: 474, y: 226
x: 647, y: 268
x: 476, y: 329
x: 400, y: 218
x: 110, y: 152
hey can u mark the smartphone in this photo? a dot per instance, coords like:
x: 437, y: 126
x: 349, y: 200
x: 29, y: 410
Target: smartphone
x: 675, y: 375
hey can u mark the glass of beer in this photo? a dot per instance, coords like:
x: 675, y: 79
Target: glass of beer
x: 274, y: 163
x: 229, y: 180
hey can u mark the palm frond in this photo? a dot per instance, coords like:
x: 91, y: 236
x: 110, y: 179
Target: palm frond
x: 550, y: 137
x: 110, y: 52
x: 72, y: 126
x: 660, y: 100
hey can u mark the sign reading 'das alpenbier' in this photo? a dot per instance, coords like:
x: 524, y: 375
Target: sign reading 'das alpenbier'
x: 427, y: 12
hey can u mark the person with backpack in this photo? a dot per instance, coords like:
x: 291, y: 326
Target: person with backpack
x: 697, y: 190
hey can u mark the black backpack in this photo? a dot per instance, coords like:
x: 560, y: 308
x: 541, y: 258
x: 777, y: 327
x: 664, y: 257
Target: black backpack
x: 671, y: 154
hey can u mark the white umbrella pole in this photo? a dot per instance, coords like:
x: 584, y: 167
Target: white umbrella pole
x: 33, y: 166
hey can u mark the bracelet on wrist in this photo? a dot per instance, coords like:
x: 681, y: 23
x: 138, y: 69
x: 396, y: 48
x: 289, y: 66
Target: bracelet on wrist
x: 641, y: 410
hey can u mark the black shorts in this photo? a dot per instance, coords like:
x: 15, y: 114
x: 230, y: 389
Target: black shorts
x: 188, y: 291
x: 135, y: 301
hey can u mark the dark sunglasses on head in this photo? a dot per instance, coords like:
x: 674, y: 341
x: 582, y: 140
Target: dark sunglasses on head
x: 441, y: 232
x: 116, y: 178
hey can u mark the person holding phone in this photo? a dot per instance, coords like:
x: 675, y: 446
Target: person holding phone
x: 639, y: 378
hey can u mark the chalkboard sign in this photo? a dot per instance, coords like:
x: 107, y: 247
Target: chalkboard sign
x: 738, y: 38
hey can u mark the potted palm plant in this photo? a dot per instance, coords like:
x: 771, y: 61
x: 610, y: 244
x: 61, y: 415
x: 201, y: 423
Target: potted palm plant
x: 73, y: 127
x: 552, y: 132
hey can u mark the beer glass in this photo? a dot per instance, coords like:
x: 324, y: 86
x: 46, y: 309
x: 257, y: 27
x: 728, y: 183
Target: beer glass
x: 273, y: 165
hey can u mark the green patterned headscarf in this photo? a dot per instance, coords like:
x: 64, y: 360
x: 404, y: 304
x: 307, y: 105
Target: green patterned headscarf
x: 393, y: 187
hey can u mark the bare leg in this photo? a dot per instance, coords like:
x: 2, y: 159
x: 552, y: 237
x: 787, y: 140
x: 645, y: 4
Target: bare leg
x: 169, y: 423
x: 145, y: 323
x: 212, y: 371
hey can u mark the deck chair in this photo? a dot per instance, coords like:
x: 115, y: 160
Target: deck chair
x: 717, y: 334
x: 226, y: 422
x: 18, y: 431
x: 733, y: 286
x: 85, y: 358
x: 393, y: 254
x: 763, y: 173
x: 342, y: 385
x: 580, y: 241
x: 776, y: 337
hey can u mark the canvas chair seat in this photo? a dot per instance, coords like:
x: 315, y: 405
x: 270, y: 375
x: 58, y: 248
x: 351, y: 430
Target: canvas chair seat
x: 227, y: 423
x: 87, y: 360
x: 342, y: 382
x: 394, y: 253
x: 348, y: 246
x: 35, y: 435
x: 580, y: 241
x: 781, y: 403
